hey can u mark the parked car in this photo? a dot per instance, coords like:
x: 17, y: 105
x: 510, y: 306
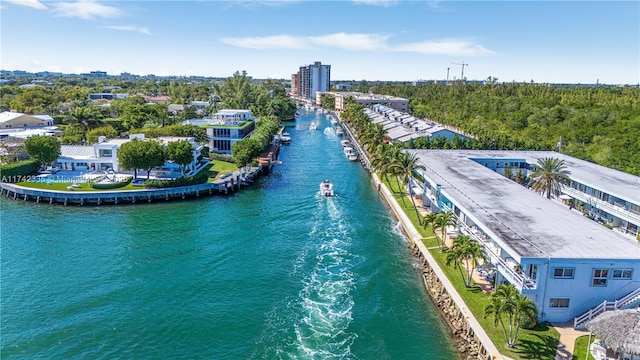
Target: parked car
x: 136, y: 182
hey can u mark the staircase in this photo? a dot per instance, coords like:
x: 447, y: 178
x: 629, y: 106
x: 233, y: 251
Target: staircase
x: 625, y: 302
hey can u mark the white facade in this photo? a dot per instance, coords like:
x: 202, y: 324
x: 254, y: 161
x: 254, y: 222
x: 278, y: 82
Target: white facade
x: 562, y: 260
x: 103, y: 156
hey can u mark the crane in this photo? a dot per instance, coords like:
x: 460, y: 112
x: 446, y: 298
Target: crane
x: 463, y: 65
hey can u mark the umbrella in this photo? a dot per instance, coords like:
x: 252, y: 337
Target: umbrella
x: 619, y: 329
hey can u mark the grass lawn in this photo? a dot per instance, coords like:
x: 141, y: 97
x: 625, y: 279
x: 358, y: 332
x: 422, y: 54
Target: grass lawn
x: 219, y: 168
x: 538, y: 343
x: 63, y: 186
x: 580, y: 348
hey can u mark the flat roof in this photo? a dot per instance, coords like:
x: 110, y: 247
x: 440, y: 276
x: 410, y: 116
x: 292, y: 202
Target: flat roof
x: 522, y: 220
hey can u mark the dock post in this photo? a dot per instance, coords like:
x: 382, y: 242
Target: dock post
x: 51, y: 200
x: 38, y: 200
x: 149, y: 198
x: 65, y: 201
x: 25, y: 197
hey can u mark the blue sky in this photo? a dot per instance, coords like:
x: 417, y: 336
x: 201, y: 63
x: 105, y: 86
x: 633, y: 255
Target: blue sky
x: 543, y: 41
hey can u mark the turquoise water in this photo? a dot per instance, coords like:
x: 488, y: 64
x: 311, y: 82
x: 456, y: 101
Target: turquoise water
x: 272, y: 272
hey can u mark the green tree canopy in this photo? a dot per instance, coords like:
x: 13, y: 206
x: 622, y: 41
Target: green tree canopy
x: 180, y: 152
x: 106, y: 131
x: 141, y: 154
x: 42, y: 147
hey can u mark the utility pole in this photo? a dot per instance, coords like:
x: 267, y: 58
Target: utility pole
x: 447, y: 76
x: 462, y: 73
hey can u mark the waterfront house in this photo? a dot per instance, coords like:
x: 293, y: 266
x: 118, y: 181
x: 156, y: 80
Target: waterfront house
x: 103, y: 156
x: 342, y: 98
x: 226, y: 127
x: 566, y: 262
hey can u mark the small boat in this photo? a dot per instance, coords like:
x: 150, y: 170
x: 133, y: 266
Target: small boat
x: 334, y: 121
x: 313, y: 126
x: 326, y: 188
x: 339, y: 131
x: 285, y: 138
x: 345, y: 143
x: 351, y: 153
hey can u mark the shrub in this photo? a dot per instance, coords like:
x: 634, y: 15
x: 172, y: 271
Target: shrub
x: 222, y: 157
x: 113, y: 185
x: 199, y: 178
x: 18, y: 171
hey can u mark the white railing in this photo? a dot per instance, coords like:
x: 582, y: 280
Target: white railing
x: 521, y: 281
x: 603, y: 205
x: 605, y: 306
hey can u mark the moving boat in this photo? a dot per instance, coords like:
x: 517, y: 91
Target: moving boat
x: 326, y: 188
x: 313, y: 126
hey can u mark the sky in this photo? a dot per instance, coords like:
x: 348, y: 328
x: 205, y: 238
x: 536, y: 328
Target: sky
x: 542, y: 41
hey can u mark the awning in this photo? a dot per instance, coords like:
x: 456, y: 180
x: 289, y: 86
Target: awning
x: 565, y: 197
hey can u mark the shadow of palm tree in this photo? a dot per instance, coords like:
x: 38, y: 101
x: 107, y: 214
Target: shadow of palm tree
x: 543, y: 348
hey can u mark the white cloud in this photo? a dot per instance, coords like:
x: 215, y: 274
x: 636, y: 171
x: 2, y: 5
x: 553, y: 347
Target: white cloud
x: 139, y: 29
x: 85, y: 9
x: 35, y: 4
x: 359, y: 42
x: 351, y: 41
x: 383, y: 3
x: 269, y: 42
x: 445, y: 47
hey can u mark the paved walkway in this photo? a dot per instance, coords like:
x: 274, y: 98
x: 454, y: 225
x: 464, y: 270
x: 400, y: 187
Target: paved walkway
x: 568, y: 336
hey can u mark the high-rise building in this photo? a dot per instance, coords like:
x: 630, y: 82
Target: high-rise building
x: 311, y: 79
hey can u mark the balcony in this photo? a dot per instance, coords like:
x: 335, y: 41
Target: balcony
x: 614, y: 210
x: 523, y: 283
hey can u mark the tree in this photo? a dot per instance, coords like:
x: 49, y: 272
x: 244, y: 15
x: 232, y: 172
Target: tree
x: 83, y: 118
x: 141, y: 154
x: 404, y: 166
x: 181, y: 153
x: 444, y: 219
x: 464, y: 254
x: 106, y: 131
x: 518, y: 309
x: 549, y: 175
x: 429, y: 220
x: 42, y: 147
x: 245, y: 151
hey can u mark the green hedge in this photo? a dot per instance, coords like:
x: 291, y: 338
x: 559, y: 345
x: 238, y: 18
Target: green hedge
x: 221, y: 157
x: 19, y: 171
x: 113, y: 185
x: 199, y: 178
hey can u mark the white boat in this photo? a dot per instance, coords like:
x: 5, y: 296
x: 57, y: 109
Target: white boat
x: 339, y: 131
x: 326, y: 188
x: 351, y: 153
x: 312, y: 126
x: 285, y: 138
x: 334, y: 121
x: 345, y: 143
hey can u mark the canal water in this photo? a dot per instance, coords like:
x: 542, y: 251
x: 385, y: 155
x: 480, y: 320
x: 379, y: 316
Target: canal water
x: 272, y: 272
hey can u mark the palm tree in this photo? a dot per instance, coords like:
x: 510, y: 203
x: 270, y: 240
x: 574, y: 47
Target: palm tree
x: 429, y: 220
x: 445, y: 218
x: 84, y: 118
x: 464, y: 253
x: 549, y: 175
x: 404, y: 166
x: 518, y: 309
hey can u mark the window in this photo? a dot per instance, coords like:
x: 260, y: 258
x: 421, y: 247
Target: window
x: 563, y: 273
x: 558, y: 303
x: 600, y: 277
x: 618, y: 274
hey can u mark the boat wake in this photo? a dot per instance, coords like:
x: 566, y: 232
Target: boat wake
x: 325, y: 299
x: 330, y: 132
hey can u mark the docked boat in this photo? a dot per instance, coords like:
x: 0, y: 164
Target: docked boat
x: 285, y: 138
x: 345, y: 143
x: 334, y: 121
x: 313, y: 126
x: 339, y: 131
x: 351, y: 153
x: 326, y: 188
